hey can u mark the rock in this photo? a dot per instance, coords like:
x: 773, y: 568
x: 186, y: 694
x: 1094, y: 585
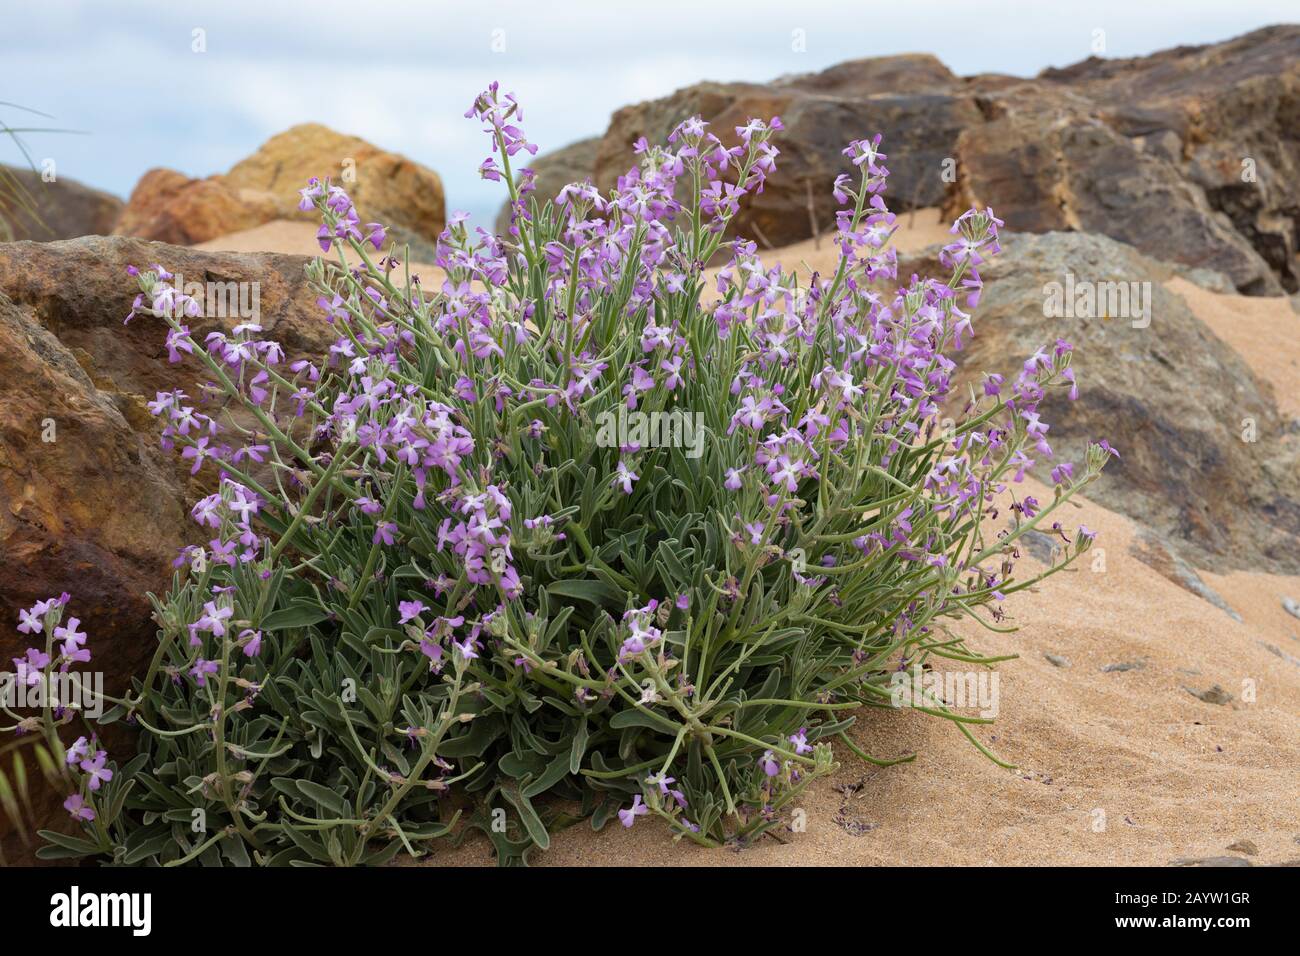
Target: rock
x: 1188, y: 154
x: 1042, y: 547
x: 88, y: 505
x: 387, y: 187
x: 1123, y: 666
x: 70, y: 464
x: 1291, y: 606
x: 98, y: 511
x: 1056, y: 660
x: 1048, y: 162
x: 62, y: 209
x: 170, y: 207
x: 1155, y: 552
x: 1213, y: 861
x: 914, y: 101
x: 1229, y: 111
x: 555, y: 170
x: 1170, y: 396
x: 1214, y: 695
x: 1244, y: 846
x: 79, y: 291
x: 101, y: 510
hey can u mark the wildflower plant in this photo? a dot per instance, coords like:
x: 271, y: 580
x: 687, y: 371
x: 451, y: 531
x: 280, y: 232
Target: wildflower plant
x: 434, y: 590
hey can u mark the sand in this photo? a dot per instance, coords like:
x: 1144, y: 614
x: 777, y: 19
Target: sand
x: 1114, y: 767
x: 1263, y: 331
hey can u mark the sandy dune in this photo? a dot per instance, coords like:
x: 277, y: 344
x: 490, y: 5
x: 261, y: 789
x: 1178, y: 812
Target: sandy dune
x: 1123, y: 766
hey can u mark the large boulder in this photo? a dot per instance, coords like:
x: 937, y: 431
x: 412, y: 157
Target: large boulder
x: 1191, y: 154
x: 171, y: 207
x: 1046, y: 160
x: 1228, y: 115
x: 89, y: 502
x: 79, y: 291
x: 88, y: 505
x: 1208, y: 460
x: 386, y: 187
x: 31, y: 208
x: 168, y: 206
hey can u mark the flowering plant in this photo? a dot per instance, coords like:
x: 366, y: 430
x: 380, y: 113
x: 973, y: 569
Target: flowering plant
x: 586, y: 522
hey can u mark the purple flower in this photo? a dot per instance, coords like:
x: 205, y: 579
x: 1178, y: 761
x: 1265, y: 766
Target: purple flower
x: 385, y: 531
x: 69, y: 634
x: 769, y: 763
x: 78, y: 751
x: 252, y: 641
x: 800, y: 741
x: 624, y: 478
x: 409, y: 610
x: 31, y: 621
x: 431, y: 651
x: 638, y: 809
x: 95, y: 769
x: 77, y: 809
x: 202, y: 669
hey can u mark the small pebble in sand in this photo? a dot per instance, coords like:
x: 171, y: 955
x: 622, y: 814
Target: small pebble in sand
x: 1123, y: 666
x: 1213, y: 861
x: 1244, y: 846
x: 1292, y: 606
x: 1212, y: 695
x: 1057, y: 660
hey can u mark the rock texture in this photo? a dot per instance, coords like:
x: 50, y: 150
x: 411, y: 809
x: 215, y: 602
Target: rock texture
x: 63, y: 209
x: 88, y: 503
x: 100, y: 510
x: 1172, y: 397
x: 1191, y: 154
x: 170, y: 207
x: 1228, y: 115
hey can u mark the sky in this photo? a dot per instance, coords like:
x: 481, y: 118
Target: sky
x: 128, y: 78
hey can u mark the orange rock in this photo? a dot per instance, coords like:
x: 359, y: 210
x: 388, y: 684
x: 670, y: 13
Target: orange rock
x: 170, y: 207
x: 386, y: 187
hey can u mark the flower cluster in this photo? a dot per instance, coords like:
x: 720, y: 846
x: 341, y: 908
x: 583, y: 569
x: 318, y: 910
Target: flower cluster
x: 428, y: 566
x: 60, y: 696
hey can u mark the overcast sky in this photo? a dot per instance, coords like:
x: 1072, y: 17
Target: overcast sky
x: 401, y: 74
